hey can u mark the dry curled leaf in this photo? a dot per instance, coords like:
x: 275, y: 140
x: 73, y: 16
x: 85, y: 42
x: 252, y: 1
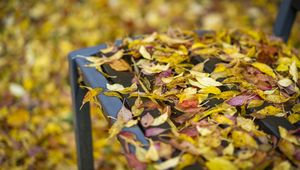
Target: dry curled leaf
x: 120, y: 65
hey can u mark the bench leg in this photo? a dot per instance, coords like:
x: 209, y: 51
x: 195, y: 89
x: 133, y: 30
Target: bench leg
x: 82, y: 121
x: 285, y: 19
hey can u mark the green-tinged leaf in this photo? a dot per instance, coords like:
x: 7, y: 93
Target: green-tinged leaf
x: 296, y: 108
x: 285, y: 82
x: 112, y: 94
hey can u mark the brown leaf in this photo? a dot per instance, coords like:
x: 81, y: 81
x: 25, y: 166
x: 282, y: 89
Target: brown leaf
x: 120, y: 65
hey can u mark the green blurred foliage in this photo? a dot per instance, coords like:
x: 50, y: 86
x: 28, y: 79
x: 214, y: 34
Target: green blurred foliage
x: 35, y: 38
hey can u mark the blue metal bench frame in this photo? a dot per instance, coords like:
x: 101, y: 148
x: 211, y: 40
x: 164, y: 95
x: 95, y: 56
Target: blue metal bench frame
x: 111, y: 105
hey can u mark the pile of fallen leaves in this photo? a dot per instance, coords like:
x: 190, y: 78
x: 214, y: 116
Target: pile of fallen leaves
x: 196, y: 96
x: 36, y: 130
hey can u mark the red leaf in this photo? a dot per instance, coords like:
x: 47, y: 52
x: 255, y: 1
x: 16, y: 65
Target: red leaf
x: 190, y: 131
x: 189, y: 103
x: 134, y: 163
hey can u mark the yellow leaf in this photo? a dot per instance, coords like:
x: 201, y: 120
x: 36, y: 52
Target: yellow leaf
x: 91, y: 95
x: 227, y: 94
x: 207, y: 81
x: 53, y: 128
x: 145, y: 53
x: 186, y: 160
x: 294, y: 117
x: 198, y: 45
x: 284, y: 165
x: 228, y: 150
x: 150, y: 38
x: 296, y: 108
x: 3, y: 112
x: 207, y: 51
x: 243, y: 139
x: 274, y: 98
x: 203, y: 82
x: 282, y: 67
x: 170, y: 163
x: 270, y: 110
x: 116, y: 128
x: 112, y: 94
x: 118, y: 55
x: 160, y: 119
x: 246, y: 124
x: 152, y: 153
x: 220, y: 68
x: 151, y: 68
x: 170, y: 41
x: 207, y: 113
x: 108, y: 49
x: 285, y: 135
x: 140, y: 153
x: 137, y: 108
x: 255, y: 103
x: 222, y: 119
x: 219, y: 163
x: 293, y: 71
x: 210, y: 89
x: 124, y: 116
x: 18, y: 118
x: 264, y: 68
x: 98, y: 61
x: 203, y: 131
x: 131, y: 123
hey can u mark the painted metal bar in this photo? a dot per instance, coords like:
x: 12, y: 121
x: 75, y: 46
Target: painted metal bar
x: 82, y: 121
x: 285, y: 18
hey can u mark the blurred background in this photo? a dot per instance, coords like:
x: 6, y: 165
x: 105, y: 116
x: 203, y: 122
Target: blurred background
x: 35, y: 37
